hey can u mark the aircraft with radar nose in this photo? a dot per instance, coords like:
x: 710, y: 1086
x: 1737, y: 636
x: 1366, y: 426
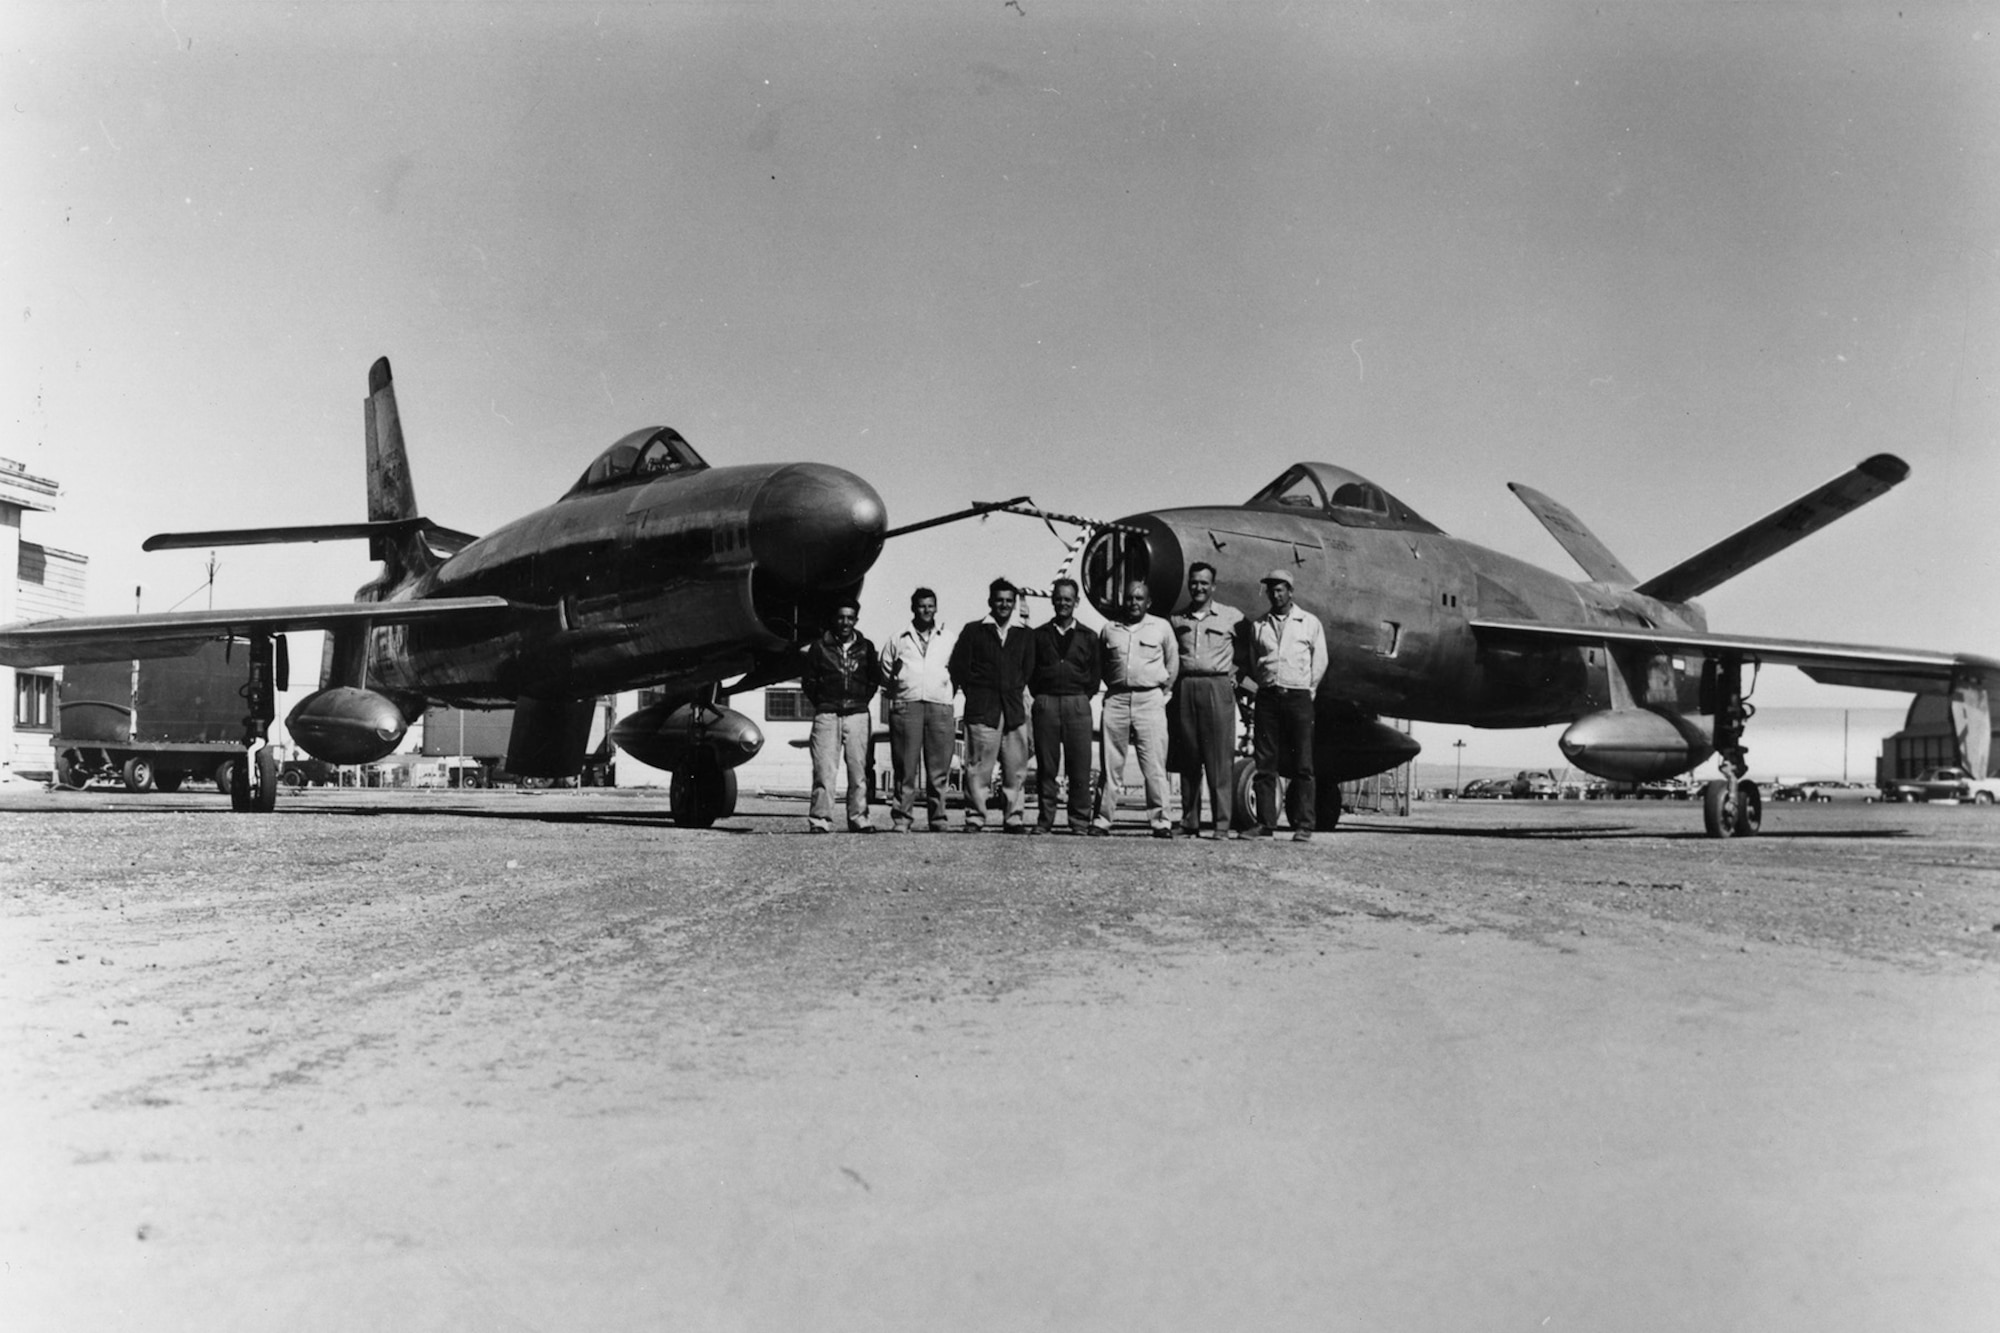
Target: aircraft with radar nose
x: 655, y: 570
x: 1425, y: 626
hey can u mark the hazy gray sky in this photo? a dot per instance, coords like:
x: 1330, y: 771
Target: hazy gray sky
x: 1673, y: 264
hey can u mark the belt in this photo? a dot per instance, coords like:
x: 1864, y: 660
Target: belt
x: 1286, y: 689
x: 1205, y: 675
x: 1130, y: 689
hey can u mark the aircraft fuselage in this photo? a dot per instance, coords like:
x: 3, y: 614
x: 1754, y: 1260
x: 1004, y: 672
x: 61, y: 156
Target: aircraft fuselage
x: 685, y: 576
x: 1396, y: 603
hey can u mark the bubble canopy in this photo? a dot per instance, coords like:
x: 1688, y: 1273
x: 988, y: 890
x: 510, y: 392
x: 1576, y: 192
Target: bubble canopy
x: 654, y: 451
x: 1345, y: 497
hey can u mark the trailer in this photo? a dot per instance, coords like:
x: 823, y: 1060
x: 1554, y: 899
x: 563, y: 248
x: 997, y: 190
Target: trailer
x: 151, y: 725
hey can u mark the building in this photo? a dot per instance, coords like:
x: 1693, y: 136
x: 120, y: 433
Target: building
x: 1928, y: 740
x: 41, y: 582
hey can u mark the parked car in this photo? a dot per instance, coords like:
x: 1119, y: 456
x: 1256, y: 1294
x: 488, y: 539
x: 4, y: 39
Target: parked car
x: 1944, y: 784
x: 1831, y: 790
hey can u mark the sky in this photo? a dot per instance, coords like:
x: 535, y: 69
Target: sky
x: 1673, y: 264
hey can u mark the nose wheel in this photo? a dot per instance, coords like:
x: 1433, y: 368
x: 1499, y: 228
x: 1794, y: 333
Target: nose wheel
x: 1732, y: 809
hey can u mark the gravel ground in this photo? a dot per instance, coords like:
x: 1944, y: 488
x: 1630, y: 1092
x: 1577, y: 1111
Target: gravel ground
x: 541, y: 1060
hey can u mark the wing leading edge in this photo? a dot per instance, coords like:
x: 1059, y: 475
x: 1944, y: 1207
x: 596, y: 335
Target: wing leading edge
x: 42, y: 643
x: 1907, y: 670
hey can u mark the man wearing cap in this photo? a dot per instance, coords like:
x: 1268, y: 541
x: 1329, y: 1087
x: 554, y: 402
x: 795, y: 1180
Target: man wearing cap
x: 917, y: 688
x: 990, y: 665
x: 1210, y: 637
x: 1066, y: 676
x: 1141, y: 660
x: 1288, y: 647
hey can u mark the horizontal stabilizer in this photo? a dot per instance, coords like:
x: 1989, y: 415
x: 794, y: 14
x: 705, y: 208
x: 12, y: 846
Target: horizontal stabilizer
x: 1581, y: 543
x: 42, y: 643
x: 1901, y: 669
x: 446, y: 539
x: 1774, y: 532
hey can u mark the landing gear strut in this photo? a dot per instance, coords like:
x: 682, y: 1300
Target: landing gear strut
x: 1731, y: 806
x: 253, y: 778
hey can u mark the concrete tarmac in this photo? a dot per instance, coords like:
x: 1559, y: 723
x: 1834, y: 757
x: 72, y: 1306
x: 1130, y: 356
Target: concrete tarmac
x: 543, y: 1061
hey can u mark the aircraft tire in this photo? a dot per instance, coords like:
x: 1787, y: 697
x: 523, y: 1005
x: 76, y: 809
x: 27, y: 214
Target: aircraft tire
x: 138, y: 775
x: 702, y: 793
x: 239, y: 784
x: 1326, y: 806
x: 69, y: 773
x: 1718, y: 809
x: 1749, y: 810
x: 264, y: 799
x: 1243, y: 793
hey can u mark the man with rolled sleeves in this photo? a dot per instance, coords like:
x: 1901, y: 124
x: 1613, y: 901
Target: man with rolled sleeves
x: 917, y: 686
x: 990, y: 665
x: 1141, y: 660
x: 1288, y: 658
x: 1210, y: 637
x: 1066, y: 675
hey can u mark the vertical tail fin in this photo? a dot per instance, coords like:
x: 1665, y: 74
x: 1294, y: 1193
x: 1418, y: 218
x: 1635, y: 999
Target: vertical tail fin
x: 391, y: 495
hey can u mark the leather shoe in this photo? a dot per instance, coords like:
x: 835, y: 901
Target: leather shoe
x: 1097, y: 832
x: 1303, y: 835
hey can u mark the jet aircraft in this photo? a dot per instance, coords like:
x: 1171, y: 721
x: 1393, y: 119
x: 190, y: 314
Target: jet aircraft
x: 1425, y: 626
x: 654, y: 570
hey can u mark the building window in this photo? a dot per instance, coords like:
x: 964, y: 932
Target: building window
x: 786, y: 706
x: 34, y: 701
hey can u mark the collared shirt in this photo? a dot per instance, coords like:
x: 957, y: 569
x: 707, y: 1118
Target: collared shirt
x: 1291, y: 651
x: 1208, y: 640
x: 1142, y: 656
x: 990, y: 667
x: 917, y: 671
x: 1066, y: 661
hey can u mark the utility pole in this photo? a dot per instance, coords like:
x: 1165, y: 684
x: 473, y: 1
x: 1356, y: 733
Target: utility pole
x: 1458, y: 768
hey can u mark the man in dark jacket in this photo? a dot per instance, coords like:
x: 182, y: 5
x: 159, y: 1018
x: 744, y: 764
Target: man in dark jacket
x: 1065, y: 680
x: 990, y: 666
x: 840, y: 676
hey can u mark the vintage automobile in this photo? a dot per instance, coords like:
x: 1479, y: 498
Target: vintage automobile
x: 1944, y: 784
x: 1834, y: 790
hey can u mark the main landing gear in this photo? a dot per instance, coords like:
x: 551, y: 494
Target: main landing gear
x: 1731, y: 806
x: 253, y: 776
x: 703, y: 790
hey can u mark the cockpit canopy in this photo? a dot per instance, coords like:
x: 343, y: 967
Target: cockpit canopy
x: 1335, y: 493
x: 655, y: 451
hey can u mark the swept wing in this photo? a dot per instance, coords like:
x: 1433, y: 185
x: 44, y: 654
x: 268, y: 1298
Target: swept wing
x: 38, y: 643
x: 1907, y: 670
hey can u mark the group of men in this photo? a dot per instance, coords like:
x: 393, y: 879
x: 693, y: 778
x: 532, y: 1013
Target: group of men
x: 1170, y: 697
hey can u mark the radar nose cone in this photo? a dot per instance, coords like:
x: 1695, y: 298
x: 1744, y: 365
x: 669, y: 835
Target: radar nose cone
x: 817, y: 526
